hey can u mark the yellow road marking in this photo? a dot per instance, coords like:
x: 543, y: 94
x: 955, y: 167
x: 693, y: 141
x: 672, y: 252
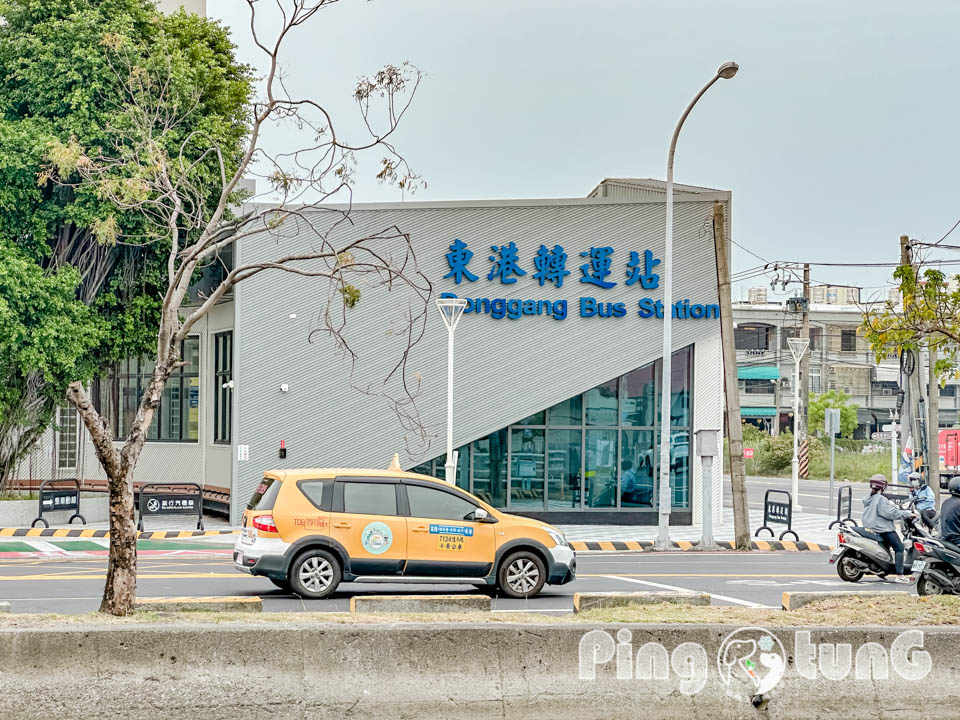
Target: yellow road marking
x: 633, y: 545
x: 789, y: 545
x: 606, y: 545
x: 762, y: 545
x: 684, y: 544
x: 764, y: 575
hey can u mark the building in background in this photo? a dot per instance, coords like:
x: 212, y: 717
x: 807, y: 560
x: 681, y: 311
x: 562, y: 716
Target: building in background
x: 195, y: 6
x: 834, y: 295
x: 757, y: 296
x: 840, y: 359
x: 558, y: 363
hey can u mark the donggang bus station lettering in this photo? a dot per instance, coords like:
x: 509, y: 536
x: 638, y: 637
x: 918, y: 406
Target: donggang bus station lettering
x: 548, y: 266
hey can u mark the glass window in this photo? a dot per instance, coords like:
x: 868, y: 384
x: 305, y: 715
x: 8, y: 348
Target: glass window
x: 680, y: 468
x: 318, y: 492
x: 640, y: 396
x: 177, y: 418
x: 602, y: 404
x: 490, y: 468
x: 463, y: 475
x: 535, y: 419
x: 563, y: 469
x: 752, y: 337
x: 526, y: 468
x: 848, y: 340
x: 265, y: 495
x: 424, y: 469
x: 569, y: 412
x: 363, y: 498
x: 437, y: 504
x: 680, y: 388
x: 637, y: 468
x: 67, y: 427
x: 600, y: 468
x: 222, y: 396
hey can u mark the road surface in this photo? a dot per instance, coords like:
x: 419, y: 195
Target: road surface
x: 74, y: 585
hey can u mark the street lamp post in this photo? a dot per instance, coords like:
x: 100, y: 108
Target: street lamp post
x: 451, y: 309
x: 725, y: 71
x: 798, y: 348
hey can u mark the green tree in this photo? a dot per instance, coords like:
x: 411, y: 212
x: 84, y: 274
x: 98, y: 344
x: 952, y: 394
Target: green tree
x: 46, y: 336
x: 833, y: 399
x: 928, y: 317
x: 180, y: 179
x: 60, y: 82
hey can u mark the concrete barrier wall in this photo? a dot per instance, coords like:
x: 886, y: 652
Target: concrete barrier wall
x: 438, y: 671
x: 95, y: 508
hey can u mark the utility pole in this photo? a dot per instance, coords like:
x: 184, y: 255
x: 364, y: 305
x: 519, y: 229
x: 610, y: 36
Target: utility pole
x: 804, y: 425
x: 775, y: 431
x: 933, y: 426
x: 910, y: 362
x: 731, y: 389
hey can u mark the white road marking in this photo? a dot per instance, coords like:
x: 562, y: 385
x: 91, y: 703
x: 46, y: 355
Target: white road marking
x: 735, y: 601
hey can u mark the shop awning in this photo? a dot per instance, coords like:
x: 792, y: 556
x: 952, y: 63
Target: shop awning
x: 758, y: 372
x: 758, y: 411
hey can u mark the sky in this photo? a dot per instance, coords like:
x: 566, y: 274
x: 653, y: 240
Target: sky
x: 837, y: 136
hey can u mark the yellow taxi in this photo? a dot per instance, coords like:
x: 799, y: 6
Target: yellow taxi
x: 309, y: 530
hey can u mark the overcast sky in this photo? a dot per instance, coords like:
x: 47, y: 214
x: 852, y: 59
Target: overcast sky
x: 838, y: 135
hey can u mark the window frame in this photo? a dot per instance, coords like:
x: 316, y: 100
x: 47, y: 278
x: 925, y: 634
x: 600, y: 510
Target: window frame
x: 132, y: 373
x: 406, y: 484
x: 222, y: 397
x: 341, y: 482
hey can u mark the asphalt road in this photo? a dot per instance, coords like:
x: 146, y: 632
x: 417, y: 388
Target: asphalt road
x: 74, y: 585
x: 814, y: 496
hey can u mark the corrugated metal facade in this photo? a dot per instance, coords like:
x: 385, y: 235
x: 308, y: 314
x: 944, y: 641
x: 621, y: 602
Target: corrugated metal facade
x: 505, y: 369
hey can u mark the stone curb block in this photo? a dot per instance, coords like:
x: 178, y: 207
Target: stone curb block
x: 598, y: 600
x: 797, y: 600
x: 207, y: 604
x: 4, y: 607
x: 420, y: 603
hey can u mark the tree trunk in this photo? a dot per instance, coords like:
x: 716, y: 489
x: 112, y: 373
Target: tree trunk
x: 120, y: 591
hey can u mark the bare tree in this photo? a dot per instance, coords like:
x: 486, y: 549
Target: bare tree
x: 200, y: 223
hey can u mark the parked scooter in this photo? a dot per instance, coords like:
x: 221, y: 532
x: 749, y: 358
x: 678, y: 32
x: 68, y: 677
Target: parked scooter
x: 860, y: 552
x: 936, y: 567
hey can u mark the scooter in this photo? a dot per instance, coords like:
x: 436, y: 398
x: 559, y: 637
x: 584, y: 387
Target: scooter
x: 861, y: 552
x: 936, y: 567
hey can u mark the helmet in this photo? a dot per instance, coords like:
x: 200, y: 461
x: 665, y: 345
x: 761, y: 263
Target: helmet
x: 916, y: 479
x: 954, y: 485
x: 879, y: 482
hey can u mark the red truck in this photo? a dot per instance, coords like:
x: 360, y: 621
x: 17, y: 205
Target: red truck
x: 949, y: 455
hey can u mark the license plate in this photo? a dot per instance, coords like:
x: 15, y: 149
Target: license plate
x: 837, y: 551
x: 239, y: 560
x: 918, y: 565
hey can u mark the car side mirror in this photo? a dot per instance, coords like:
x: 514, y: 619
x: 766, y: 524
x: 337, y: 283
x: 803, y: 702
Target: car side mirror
x: 481, y: 515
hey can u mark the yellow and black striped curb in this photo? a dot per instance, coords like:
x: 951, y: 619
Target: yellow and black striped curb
x: 87, y: 533
x: 646, y: 545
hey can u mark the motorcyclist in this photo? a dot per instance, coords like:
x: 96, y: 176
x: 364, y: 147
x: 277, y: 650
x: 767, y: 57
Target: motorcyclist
x: 923, y: 498
x: 950, y: 514
x: 880, y: 515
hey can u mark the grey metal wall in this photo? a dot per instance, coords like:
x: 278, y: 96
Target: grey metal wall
x: 505, y: 369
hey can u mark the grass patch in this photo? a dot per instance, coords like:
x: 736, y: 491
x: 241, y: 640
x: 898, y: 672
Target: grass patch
x: 18, y: 496
x: 895, y: 610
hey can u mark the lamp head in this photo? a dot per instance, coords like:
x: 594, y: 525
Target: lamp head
x: 728, y: 70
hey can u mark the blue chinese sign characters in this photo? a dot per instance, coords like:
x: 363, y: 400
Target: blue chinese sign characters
x: 600, y: 269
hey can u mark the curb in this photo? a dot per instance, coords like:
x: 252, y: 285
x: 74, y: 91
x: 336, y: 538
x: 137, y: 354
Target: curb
x: 216, y: 603
x: 77, y: 533
x: 683, y: 545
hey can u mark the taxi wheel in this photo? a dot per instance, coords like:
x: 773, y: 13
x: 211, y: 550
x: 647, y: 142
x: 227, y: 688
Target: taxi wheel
x: 315, y: 574
x: 521, y: 575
